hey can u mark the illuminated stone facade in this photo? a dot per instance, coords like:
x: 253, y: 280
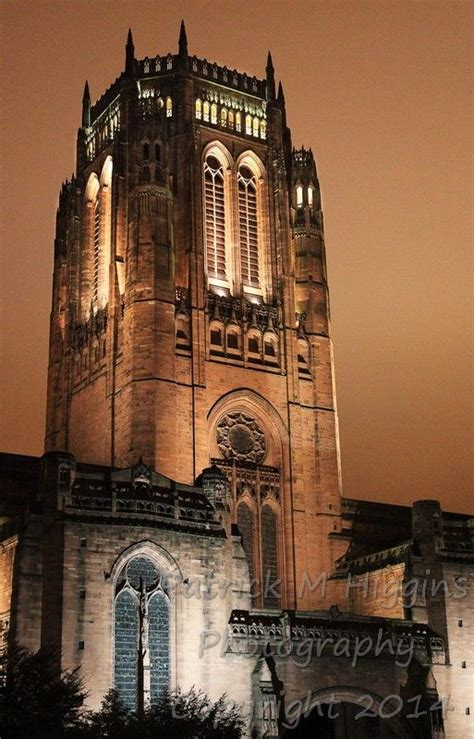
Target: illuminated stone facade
x: 190, y: 342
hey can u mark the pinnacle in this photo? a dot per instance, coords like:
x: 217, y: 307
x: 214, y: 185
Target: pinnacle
x: 280, y: 96
x: 86, y: 95
x: 129, y: 53
x: 183, y: 39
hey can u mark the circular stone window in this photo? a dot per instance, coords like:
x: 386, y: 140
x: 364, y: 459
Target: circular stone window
x: 239, y: 437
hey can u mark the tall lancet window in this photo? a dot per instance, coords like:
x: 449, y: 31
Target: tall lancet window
x: 248, y: 228
x: 95, y: 258
x: 215, y: 221
x: 96, y: 253
x: 142, y: 634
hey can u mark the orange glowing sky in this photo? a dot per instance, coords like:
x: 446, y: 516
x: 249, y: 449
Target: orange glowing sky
x: 382, y: 91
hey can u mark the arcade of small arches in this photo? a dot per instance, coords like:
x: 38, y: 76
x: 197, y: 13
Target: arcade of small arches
x: 230, y: 118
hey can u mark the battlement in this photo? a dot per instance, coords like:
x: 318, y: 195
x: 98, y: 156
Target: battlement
x: 202, y: 68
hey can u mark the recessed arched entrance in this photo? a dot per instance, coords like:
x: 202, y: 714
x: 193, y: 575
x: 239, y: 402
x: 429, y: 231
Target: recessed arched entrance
x: 346, y: 714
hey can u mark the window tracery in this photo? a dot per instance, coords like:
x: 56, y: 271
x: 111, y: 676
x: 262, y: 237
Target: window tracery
x: 142, y: 633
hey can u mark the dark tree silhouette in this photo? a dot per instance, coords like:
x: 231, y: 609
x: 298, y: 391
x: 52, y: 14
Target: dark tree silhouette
x: 189, y: 715
x: 39, y: 702
x: 36, y: 700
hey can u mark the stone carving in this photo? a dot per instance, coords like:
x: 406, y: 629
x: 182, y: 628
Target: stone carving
x: 240, y: 438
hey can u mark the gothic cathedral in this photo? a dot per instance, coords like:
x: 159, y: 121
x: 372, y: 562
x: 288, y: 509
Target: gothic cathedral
x: 186, y: 524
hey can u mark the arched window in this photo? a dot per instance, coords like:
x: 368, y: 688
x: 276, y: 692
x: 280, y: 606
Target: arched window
x: 238, y: 121
x: 231, y: 119
x: 142, y: 634
x: 206, y: 108
x: 248, y: 124
x: 270, y: 348
x: 169, y: 108
x: 245, y: 522
x: 248, y: 227
x: 310, y: 196
x: 183, y: 339
x: 256, y: 127
x: 269, y: 557
x: 215, y: 220
x: 223, y: 117
x: 299, y: 196
x: 216, y: 338
x: 303, y: 357
x: 199, y: 109
x: 263, y: 129
x: 254, y: 345
x: 213, y: 113
x: 233, y: 340
x: 146, y: 152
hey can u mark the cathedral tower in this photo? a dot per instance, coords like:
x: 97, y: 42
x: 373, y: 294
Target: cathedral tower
x: 190, y: 317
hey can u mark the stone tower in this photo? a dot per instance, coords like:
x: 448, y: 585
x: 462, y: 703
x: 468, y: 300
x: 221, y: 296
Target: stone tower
x: 190, y: 316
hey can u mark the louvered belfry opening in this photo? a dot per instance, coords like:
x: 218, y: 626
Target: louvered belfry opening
x: 215, y: 218
x: 248, y: 227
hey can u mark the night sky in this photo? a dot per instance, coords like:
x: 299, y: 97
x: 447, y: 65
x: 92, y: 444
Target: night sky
x: 382, y: 92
